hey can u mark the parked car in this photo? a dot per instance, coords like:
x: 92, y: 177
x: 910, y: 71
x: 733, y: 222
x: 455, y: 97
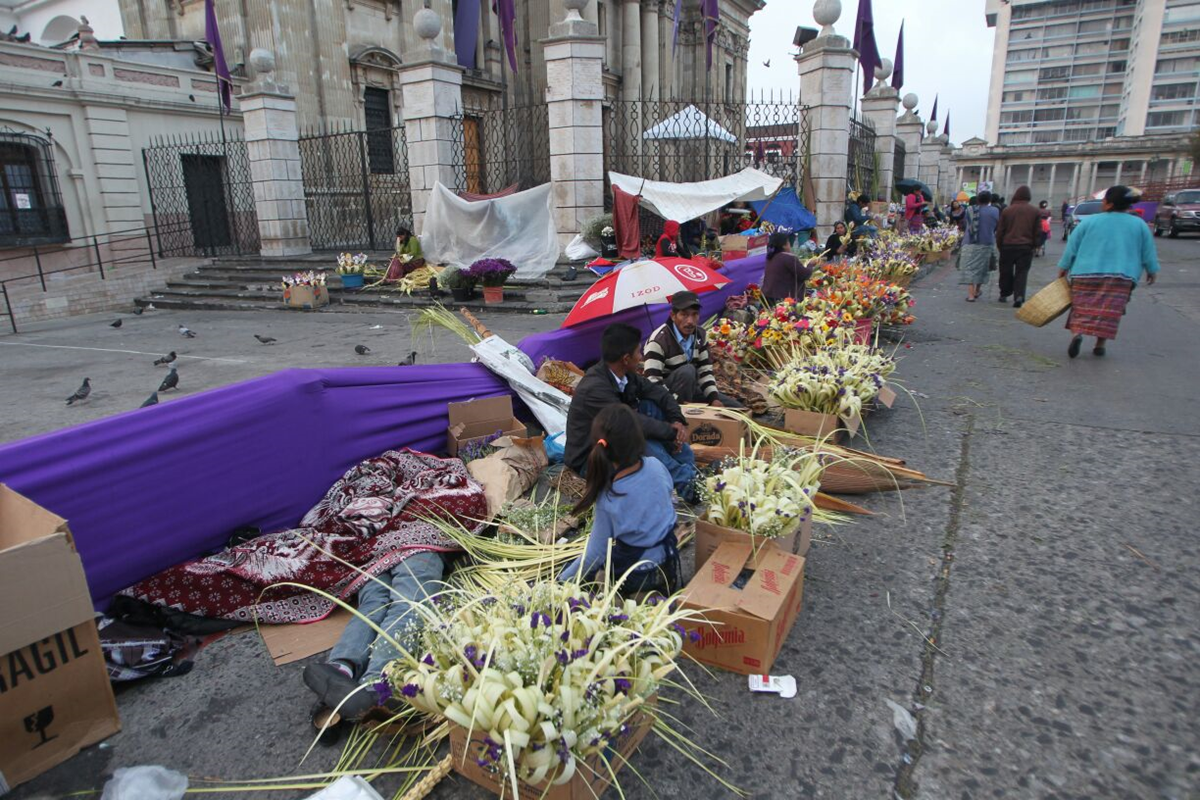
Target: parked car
x: 1177, y: 213
x: 1084, y: 209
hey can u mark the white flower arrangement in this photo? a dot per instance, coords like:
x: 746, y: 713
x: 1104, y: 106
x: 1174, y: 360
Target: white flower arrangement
x: 306, y: 278
x: 837, y: 379
x: 348, y: 264
x: 764, y: 498
x: 607, y: 231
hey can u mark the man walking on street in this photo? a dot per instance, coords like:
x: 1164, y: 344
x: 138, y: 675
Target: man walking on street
x: 1017, y: 236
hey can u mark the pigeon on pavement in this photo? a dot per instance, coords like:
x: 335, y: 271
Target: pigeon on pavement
x: 167, y: 359
x: 169, y: 382
x: 116, y: 324
x: 408, y: 362
x: 81, y: 393
x: 152, y: 400
x: 361, y: 349
x: 264, y: 339
x: 184, y: 330
x: 138, y: 310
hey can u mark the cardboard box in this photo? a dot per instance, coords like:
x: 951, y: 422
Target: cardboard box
x: 737, y: 245
x: 55, y: 697
x: 305, y: 296
x: 810, y: 423
x: 476, y: 420
x: 710, y: 536
x: 590, y: 779
x: 745, y: 628
x: 710, y: 426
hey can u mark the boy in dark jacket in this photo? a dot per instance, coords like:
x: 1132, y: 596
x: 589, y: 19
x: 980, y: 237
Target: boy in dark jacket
x: 1017, y: 236
x: 615, y: 379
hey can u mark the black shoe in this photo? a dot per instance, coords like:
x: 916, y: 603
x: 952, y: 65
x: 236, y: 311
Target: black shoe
x: 1002, y: 299
x: 1073, y: 348
x: 1018, y: 303
x: 1098, y: 350
x: 333, y: 686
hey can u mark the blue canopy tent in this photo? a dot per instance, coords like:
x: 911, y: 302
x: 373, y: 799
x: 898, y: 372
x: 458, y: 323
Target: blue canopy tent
x: 785, y: 209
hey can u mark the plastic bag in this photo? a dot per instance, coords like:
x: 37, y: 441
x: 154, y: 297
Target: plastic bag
x: 145, y: 783
x: 556, y: 447
x: 579, y: 250
x: 347, y: 787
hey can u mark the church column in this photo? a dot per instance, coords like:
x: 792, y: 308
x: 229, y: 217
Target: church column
x: 650, y: 84
x: 631, y: 45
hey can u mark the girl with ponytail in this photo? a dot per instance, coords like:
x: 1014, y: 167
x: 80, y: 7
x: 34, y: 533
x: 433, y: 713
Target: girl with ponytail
x: 632, y: 498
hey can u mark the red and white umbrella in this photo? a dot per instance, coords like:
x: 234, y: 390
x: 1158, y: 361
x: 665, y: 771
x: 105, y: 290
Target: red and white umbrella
x: 643, y: 283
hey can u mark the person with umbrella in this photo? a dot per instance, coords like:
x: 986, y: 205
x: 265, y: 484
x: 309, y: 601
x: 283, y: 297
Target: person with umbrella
x: 616, y: 379
x: 914, y: 209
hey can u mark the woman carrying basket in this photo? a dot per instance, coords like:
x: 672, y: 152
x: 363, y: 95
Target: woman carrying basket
x: 1105, y: 257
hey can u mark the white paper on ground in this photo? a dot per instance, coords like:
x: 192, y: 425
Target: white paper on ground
x: 904, y: 722
x: 782, y: 685
x: 145, y: 783
x: 347, y: 787
x: 548, y: 404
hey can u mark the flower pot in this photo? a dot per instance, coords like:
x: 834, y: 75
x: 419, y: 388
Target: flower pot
x: 493, y: 295
x: 463, y: 294
x: 352, y: 281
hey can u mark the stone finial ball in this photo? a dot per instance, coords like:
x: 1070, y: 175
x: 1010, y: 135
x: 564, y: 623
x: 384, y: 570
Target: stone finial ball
x: 884, y: 70
x: 931, y: 126
x: 262, y: 61
x: 427, y: 23
x: 827, y: 12
x: 575, y: 5
x: 910, y: 101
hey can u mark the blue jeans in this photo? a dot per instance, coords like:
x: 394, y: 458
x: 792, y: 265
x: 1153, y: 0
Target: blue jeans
x: 414, y: 579
x: 681, y: 465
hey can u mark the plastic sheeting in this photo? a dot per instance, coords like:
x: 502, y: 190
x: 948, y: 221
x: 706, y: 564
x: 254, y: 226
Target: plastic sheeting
x: 518, y: 227
x: 548, y: 404
x: 787, y: 210
x: 685, y: 201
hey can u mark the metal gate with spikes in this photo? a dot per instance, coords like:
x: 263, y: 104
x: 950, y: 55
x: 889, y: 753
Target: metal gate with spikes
x: 201, y: 195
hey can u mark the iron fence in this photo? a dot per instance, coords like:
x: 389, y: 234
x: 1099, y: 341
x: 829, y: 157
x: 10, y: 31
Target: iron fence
x: 683, y: 141
x: 356, y: 187
x: 201, y: 195
x: 31, y: 206
x: 499, y: 146
x: 861, y: 172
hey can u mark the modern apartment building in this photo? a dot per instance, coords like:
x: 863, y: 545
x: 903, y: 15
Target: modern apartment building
x: 1075, y: 71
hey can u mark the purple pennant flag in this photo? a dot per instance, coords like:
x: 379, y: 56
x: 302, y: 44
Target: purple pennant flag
x: 898, y: 69
x: 466, y: 32
x: 506, y: 10
x: 864, y: 41
x: 946, y: 130
x: 212, y: 35
x: 933, y: 116
x: 712, y: 15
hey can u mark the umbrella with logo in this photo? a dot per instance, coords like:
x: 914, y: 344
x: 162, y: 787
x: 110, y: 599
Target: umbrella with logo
x: 643, y: 283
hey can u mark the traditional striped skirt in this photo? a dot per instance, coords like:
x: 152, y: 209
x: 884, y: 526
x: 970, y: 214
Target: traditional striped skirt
x: 1097, y: 305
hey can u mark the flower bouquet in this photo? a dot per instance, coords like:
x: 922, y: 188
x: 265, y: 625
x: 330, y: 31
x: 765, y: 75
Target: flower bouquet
x: 831, y: 382
x: 540, y: 681
x: 766, y: 500
x: 348, y: 264
x: 305, y: 289
x: 492, y: 273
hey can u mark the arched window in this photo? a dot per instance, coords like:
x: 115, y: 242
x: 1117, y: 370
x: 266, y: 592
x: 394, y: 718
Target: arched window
x: 31, y: 208
x: 59, y: 30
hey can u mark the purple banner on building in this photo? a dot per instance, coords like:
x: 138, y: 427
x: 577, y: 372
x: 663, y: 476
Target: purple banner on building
x: 466, y: 33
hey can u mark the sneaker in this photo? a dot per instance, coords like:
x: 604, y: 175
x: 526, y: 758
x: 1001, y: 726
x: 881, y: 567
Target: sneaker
x: 333, y: 686
x: 1073, y: 348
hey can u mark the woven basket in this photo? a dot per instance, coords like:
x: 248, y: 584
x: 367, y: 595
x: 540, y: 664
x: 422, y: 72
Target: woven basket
x: 1046, y: 305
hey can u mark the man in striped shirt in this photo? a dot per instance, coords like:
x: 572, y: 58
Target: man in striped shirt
x: 676, y: 354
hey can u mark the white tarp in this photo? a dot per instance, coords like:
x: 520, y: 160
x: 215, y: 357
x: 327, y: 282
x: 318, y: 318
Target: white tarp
x: 684, y: 201
x: 690, y: 123
x: 518, y: 227
x: 548, y: 404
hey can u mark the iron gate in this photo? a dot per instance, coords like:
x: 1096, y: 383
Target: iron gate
x: 201, y: 195
x: 860, y: 174
x: 356, y: 187
x: 501, y: 146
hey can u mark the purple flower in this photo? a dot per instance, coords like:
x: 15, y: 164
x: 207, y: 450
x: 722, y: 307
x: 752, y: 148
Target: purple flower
x: 617, y: 618
x: 383, y: 691
x: 622, y: 685
x: 694, y: 636
x: 410, y: 690
x: 428, y: 659
x: 491, y: 271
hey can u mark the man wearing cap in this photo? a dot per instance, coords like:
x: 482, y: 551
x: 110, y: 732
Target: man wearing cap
x: 676, y: 354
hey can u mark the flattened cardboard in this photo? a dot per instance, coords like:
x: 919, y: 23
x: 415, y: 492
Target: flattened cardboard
x: 737, y: 245
x: 710, y: 426
x: 38, y: 563
x: 475, y: 420
x: 744, y: 629
x: 710, y: 536
x: 55, y: 700
x: 288, y: 643
x: 590, y: 779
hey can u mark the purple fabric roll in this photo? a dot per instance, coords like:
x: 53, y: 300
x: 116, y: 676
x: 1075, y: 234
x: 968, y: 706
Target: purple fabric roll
x: 152, y: 487
x: 580, y: 344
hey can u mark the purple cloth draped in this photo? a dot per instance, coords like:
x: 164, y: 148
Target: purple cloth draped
x: 466, y: 32
x: 212, y: 35
x: 712, y: 16
x: 675, y: 25
x: 506, y: 10
x: 580, y: 344
x: 149, y: 488
x: 864, y: 41
x: 898, y: 67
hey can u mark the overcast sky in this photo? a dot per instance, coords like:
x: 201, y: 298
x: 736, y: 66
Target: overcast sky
x: 947, y: 52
